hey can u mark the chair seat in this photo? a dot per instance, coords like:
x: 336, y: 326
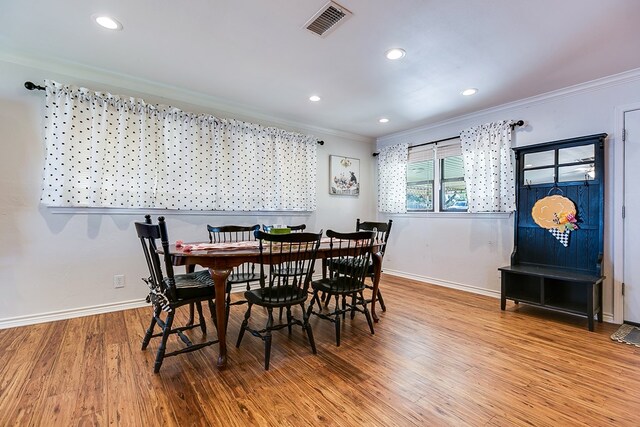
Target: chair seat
x: 345, y: 265
x: 194, y: 285
x: 276, y: 297
x: 339, y: 285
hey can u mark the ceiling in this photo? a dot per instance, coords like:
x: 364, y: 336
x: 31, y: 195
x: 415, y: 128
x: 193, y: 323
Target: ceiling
x: 256, y: 54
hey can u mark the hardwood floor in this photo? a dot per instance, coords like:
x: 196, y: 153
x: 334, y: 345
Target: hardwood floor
x: 438, y: 357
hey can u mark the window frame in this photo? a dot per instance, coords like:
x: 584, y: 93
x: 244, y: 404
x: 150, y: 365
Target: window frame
x: 425, y: 182
x: 438, y: 182
x: 556, y: 165
x: 443, y: 181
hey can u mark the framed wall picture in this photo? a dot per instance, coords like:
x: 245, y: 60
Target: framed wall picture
x: 344, y: 176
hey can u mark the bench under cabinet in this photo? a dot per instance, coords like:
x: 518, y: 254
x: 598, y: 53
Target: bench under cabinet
x: 562, y: 290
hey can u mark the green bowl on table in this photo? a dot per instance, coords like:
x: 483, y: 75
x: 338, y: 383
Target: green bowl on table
x: 285, y: 230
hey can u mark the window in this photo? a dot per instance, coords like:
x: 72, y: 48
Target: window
x: 435, y: 179
x: 420, y: 174
x: 559, y: 165
x: 453, y: 191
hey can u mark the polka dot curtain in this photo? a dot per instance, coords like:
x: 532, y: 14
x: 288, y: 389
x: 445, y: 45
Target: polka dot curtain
x: 392, y: 178
x: 105, y: 150
x: 488, y: 167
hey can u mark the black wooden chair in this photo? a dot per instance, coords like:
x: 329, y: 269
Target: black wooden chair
x: 245, y: 273
x: 350, y: 257
x: 382, y: 230
x: 294, y: 228
x: 168, y: 291
x: 289, y: 261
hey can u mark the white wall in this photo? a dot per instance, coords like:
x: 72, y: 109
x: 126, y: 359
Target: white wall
x: 466, y: 250
x: 62, y: 264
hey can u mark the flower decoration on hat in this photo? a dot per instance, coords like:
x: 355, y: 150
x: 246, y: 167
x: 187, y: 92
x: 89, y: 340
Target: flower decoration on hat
x: 556, y: 214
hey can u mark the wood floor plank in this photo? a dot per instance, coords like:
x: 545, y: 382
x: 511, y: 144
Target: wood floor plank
x: 438, y: 357
x: 39, y: 377
x: 91, y: 404
x: 150, y: 400
x: 23, y: 375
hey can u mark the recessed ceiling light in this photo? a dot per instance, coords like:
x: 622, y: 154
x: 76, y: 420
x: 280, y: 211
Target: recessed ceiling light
x: 470, y: 91
x: 107, y: 22
x: 314, y: 98
x: 395, y: 53
x: 384, y: 120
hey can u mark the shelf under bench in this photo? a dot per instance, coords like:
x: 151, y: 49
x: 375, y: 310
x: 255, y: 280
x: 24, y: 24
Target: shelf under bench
x: 559, y: 289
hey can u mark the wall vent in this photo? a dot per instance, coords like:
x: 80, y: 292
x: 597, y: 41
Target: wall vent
x: 326, y: 19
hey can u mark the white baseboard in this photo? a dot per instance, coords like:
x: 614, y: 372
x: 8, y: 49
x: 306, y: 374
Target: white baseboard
x: 607, y: 317
x: 444, y: 283
x: 14, y: 322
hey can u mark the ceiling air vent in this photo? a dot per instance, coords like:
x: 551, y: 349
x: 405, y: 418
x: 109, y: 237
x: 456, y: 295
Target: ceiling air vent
x: 327, y: 19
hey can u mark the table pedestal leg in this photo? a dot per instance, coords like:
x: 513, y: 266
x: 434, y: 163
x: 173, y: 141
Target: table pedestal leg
x: 190, y: 269
x: 377, y: 270
x: 220, y: 281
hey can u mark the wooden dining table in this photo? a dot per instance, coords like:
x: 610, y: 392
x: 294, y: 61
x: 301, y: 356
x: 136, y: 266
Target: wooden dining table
x: 220, y: 259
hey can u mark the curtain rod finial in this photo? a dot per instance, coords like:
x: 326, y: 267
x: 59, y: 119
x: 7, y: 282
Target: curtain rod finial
x: 33, y: 86
x: 517, y: 123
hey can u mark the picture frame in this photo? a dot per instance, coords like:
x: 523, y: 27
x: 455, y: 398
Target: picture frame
x: 344, y: 176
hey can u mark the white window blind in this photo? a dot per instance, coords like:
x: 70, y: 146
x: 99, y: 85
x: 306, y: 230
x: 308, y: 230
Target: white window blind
x: 449, y: 150
x: 426, y: 152
x: 419, y: 154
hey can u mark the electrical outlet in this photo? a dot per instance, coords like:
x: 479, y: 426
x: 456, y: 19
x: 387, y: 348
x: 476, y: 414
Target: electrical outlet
x: 118, y: 281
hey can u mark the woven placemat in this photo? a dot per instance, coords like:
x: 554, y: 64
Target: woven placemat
x: 628, y: 334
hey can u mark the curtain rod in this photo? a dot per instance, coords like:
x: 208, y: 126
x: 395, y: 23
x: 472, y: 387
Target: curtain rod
x: 33, y: 86
x: 513, y: 125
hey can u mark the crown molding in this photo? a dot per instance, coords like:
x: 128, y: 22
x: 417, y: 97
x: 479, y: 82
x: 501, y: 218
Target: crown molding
x: 590, y: 86
x: 136, y: 84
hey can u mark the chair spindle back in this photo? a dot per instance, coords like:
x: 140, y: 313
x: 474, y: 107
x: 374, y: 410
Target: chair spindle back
x: 350, y: 255
x: 382, y: 230
x: 290, y: 259
x: 231, y: 233
x: 148, y: 233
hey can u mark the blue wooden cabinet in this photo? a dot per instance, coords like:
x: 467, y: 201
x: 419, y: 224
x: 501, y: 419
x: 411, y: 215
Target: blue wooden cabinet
x: 543, y: 272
